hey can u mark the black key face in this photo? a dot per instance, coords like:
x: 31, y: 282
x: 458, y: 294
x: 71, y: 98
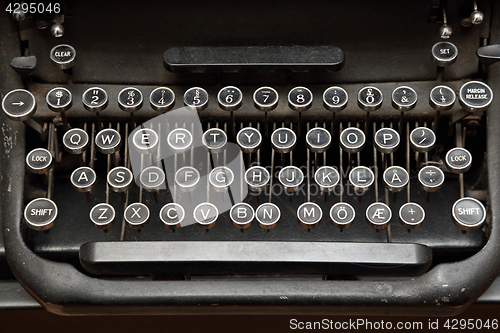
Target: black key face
x: 445, y: 53
x: 378, y: 215
x: 40, y: 214
x: 63, y: 55
x: 431, y: 178
x: 162, y: 99
x: 136, y: 215
x: 39, y: 160
x: 291, y: 177
x: 318, y: 140
x: 422, y: 139
x: 221, y: 177
x: 95, y: 99
x: 458, y: 160
x: 257, y: 178
x: 230, y: 98
x: 145, y: 140
x: 342, y: 214
x: 309, y: 214
x: 59, y: 99
x: 411, y: 215
x: 180, y: 140
x: 442, y: 98
x: 396, y: 178
x: 327, y: 177
x: 19, y: 104
x: 76, y: 140
x: 268, y: 214
x: 196, y: 98
x: 370, y: 98
x: 386, y: 140
x: 475, y: 96
x: 242, y: 214
x: 335, y: 99
x: 352, y: 139
x: 215, y: 140
x: 404, y: 98
x: 108, y: 141
x: 300, y: 98
x: 187, y: 178
x: 102, y: 215
x: 205, y: 213
x: 468, y: 213
x: 83, y: 179
x: 172, y: 214
x: 249, y: 139
x: 130, y: 99
x: 120, y: 179
x: 152, y: 178
x: 283, y: 140
x: 361, y: 177
x: 265, y: 98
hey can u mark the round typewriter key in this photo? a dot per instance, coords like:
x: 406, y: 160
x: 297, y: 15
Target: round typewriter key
x: 152, y: 179
x: 411, y: 215
x: 444, y: 53
x: 370, y: 99
x: 63, y: 56
x: 395, y: 178
x: 422, y: 139
x: 108, y: 141
x: 242, y: 215
x: 39, y: 161
x: 120, y: 179
x: 95, y: 99
x: 404, y: 98
x: 475, y: 96
x: 205, y: 215
x: 221, y: 178
x: 352, y: 140
x: 318, y: 140
x: 187, y: 178
x: 172, y: 215
x: 136, y: 215
x: 40, y: 214
x: 257, y: 178
x: 268, y: 215
x: 196, y: 98
x: 19, y: 104
x: 162, y: 99
x: 249, y: 139
x: 300, y: 99
x: 335, y: 99
x: 102, y: 216
x: 265, y: 99
x: 291, y: 178
x: 75, y: 141
x: 378, y: 215
x: 442, y: 98
x: 59, y: 99
x: 83, y: 179
x: 327, y: 178
x: 387, y: 140
x: 342, y: 215
x: 180, y: 140
x: 361, y: 178
x: 458, y: 160
x: 431, y: 178
x: 230, y: 98
x: 130, y: 99
x: 215, y: 140
x: 283, y: 140
x: 309, y: 215
x: 468, y: 213
x: 145, y: 140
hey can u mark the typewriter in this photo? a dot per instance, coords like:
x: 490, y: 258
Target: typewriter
x: 268, y: 157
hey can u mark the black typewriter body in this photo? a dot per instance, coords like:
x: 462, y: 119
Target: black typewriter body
x: 439, y: 264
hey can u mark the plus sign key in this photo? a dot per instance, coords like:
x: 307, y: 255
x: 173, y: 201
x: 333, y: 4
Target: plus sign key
x: 411, y: 215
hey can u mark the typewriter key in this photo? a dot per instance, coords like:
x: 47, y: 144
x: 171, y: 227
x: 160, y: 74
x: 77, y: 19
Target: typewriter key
x: 130, y: 99
x: 475, y: 96
x: 335, y: 99
x: 444, y: 53
x: 361, y: 178
x: 404, y: 98
x: 180, y: 140
x: 242, y: 215
x: 230, y: 98
x: 19, y: 105
x: 268, y: 215
x: 352, y: 140
x: 95, y: 99
x: 378, y: 215
x: 108, y: 141
x: 370, y: 99
x: 59, y: 99
x: 422, y: 139
x: 257, y: 178
x: 318, y: 140
x: 249, y: 139
x: 386, y: 140
x: 40, y: 214
x: 102, y: 216
x: 291, y: 178
x: 468, y: 213
x: 442, y: 98
x: 300, y: 99
x: 75, y: 141
x: 342, y: 215
x: 283, y: 140
x: 145, y: 140
x: 395, y: 178
x: 196, y: 98
x: 120, y: 179
x: 83, y: 179
x: 431, y: 178
x: 265, y: 99
x: 221, y: 178
x: 172, y: 215
x: 327, y: 178
x: 162, y: 99
x: 63, y: 56
x: 152, y: 179
x: 215, y: 140
x: 458, y: 160
x: 205, y: 215
x: 411, y: 215
x: 39, y: 161
x: 136, y: 215
x: 309, y: 215
x: 187, y: 178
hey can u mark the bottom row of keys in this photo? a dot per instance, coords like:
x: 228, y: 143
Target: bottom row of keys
x: 467, y: 213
